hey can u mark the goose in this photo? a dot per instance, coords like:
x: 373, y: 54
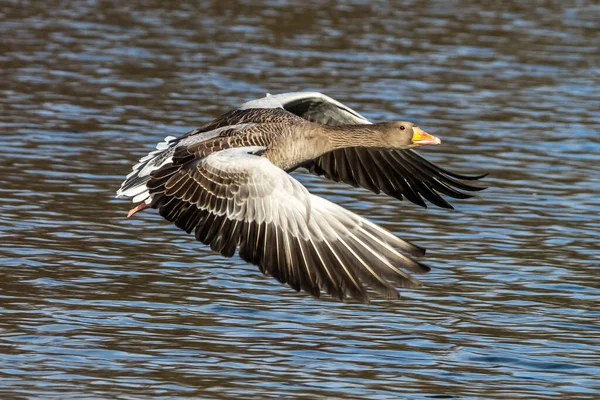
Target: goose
x: 229, y: 182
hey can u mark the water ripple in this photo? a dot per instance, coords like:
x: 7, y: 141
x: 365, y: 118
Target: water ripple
x: 98, y: 306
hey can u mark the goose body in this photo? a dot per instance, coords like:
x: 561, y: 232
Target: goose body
x: 229, y: 183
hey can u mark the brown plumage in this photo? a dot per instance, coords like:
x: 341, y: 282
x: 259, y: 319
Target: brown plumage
x: 227, y: 182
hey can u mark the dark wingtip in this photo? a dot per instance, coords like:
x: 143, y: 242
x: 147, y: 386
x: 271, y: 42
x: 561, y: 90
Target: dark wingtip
x: 413, y: 250
x: 424, y: 268
x: 478, y: 189
x: 466, y: 177
x: 445, y: 205
x: 414, y: 266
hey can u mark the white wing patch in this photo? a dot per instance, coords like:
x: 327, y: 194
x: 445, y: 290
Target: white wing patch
x: 269, y: 101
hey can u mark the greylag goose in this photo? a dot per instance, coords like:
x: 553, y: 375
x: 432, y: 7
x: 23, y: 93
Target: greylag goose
x: 228, y: 182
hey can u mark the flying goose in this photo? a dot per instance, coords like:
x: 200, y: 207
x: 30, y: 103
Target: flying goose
x: 228, y: 182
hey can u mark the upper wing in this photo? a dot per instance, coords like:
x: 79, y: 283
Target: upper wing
x: 317, y: 107
x: 265, y: 110
x: 398, y: 173
x: 285, y: 107
x: 236, y: 198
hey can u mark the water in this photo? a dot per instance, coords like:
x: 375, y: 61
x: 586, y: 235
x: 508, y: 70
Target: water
x: 97, y: 306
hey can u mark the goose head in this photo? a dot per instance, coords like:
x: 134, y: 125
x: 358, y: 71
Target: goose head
x: 402, y: 134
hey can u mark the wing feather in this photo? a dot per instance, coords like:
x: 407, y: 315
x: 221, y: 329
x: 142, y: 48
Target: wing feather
x: 398, y: 173
x: 235, y: 198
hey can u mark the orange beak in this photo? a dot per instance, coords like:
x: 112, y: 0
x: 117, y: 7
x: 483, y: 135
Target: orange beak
x: 420, y: 137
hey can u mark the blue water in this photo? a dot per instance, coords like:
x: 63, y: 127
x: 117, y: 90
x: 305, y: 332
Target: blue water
x: 93, y: 305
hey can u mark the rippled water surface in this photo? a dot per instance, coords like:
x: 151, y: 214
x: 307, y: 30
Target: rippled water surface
x: 96, y: 306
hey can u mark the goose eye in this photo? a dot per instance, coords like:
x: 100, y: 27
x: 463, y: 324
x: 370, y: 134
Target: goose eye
x: 402, y: 127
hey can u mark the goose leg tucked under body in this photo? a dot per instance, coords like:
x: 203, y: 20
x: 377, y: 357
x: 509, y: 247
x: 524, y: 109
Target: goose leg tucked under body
x: 228, y: 182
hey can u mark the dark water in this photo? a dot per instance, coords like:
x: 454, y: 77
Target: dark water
x: 96, y: 306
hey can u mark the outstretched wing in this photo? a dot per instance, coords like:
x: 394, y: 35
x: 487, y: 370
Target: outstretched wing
x: 398, y: 173
x: 234, y: 198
